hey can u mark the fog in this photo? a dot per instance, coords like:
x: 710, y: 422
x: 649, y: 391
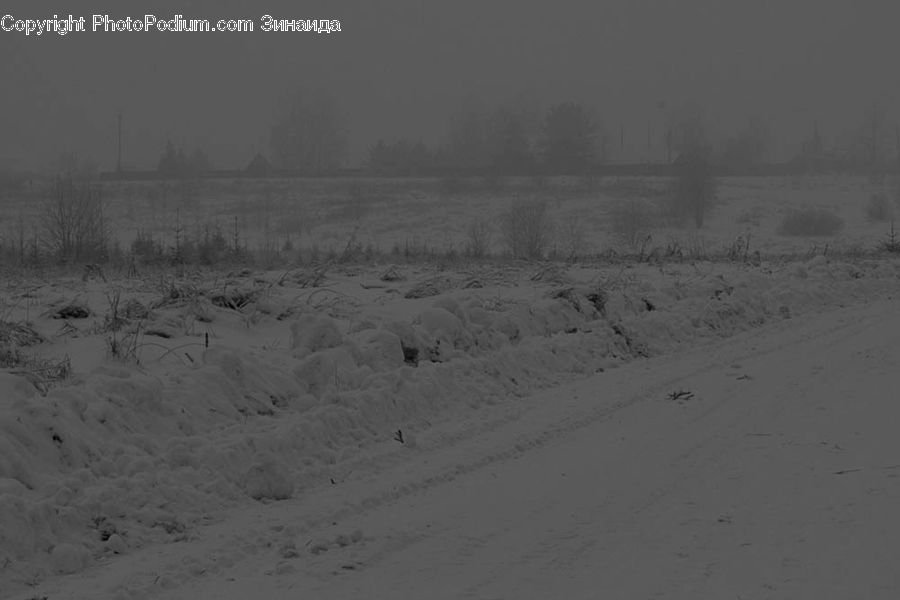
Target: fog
x: 400, y: 68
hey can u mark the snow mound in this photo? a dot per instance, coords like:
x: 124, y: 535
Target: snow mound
x: 121, y: 457
x: 268, y: 480
x: 312, y: 332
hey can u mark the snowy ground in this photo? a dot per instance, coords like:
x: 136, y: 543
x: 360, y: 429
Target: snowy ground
x: 541, y: 453
x: 779, y: 478
x: 425, y: 217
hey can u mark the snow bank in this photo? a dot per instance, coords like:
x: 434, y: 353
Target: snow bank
x: 120, y: 457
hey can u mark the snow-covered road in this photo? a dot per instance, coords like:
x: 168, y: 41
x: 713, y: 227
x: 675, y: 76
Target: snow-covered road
x: 776, y: 475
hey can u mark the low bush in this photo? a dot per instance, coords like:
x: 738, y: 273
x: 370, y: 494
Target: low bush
x: 810, y: 222
x: 478, y: 244
x: 527, y: 228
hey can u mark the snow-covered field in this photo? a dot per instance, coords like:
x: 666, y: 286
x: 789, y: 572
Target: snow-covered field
x: 494, y: 430
x: 423, y: 216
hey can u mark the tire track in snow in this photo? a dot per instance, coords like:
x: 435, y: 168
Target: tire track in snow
x: 537, y: 427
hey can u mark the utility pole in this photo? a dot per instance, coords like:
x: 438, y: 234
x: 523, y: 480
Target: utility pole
x: 874, y: 139
x: 669, y: 145
x: 119, y: 152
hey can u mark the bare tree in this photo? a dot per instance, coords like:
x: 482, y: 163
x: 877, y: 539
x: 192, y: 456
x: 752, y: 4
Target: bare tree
x: 812, y: 155
x: 686, y: 130
x: 309, y: 133
x: 74, y: 225
x: 527, y: 228
x: 508, y: 145
x: 876, y: 136
x: 569, y: 139
x: 693, y: 187
x: 466, y: 145
x: 70, y: 165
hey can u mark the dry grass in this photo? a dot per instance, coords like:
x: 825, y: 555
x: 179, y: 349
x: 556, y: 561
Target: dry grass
x: 287, y: 224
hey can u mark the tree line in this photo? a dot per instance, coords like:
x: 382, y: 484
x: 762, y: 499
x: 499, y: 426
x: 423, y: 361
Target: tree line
x: 309, y: 136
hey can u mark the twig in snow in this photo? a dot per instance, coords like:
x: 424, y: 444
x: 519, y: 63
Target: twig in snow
x: 843, y: 471
x: 681, y: 395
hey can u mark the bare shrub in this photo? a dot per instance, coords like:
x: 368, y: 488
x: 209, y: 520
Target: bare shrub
x: 570, y: 239
x: 810, y: 222
x: 879, y: 209
x: 693, y: 188
x: 527, y: 228
x: 478, y: 243
x: 74, y: 226
x: 632, y: 219
x: 113, y: 320
x: 739, y: 249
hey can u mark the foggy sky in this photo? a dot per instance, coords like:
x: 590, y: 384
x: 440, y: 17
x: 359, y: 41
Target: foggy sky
x: 400, y: 67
